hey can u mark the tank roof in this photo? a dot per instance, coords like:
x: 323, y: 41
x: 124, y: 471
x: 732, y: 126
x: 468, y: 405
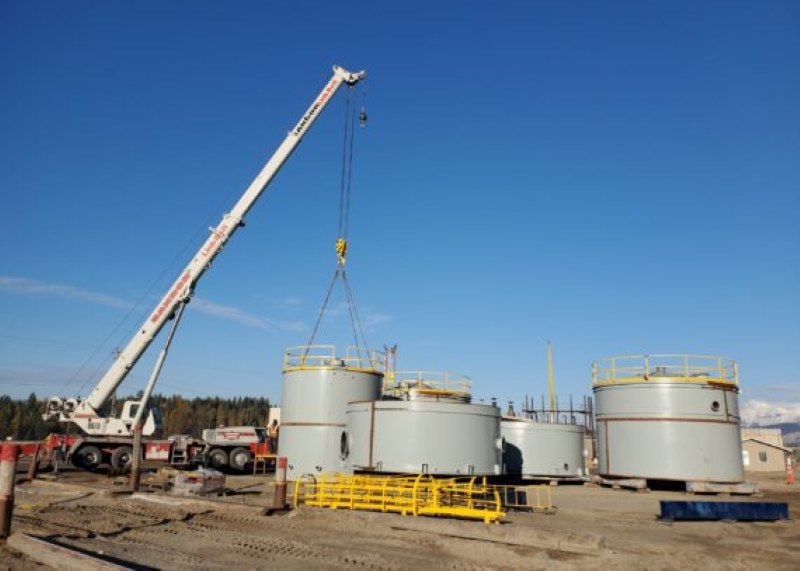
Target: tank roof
x: 705, y: 369
x: 427, y: 385
x: 325, y: 357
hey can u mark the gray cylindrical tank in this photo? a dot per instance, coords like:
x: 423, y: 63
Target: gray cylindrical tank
x: 416, y: 436
x: 316, y: 389
x: 548, y: 449
x: 668, y: 422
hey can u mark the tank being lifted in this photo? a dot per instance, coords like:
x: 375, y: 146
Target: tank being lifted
x: 425, y: 424
x: 668, y: 417
x: 317, y: 385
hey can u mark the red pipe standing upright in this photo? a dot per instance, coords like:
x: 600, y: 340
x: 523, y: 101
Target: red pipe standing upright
x: 279, y: 499
x: 8, y: 476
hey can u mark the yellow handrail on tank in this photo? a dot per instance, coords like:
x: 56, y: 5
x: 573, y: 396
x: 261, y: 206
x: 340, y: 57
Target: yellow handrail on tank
x: 416, y: 495
x: 706, y: 369
x: 323, y: 357
x: 404, y: 384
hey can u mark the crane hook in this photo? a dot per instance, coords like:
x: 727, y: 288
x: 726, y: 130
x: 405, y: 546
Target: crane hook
x: 341, y: 250
x: 362, y: 117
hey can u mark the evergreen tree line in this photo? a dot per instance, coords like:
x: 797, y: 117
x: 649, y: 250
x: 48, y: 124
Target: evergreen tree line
x: 22, y: 419
x: 191, y: 416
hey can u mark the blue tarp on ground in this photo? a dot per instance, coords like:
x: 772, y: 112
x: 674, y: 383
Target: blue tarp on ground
x: 742, y: 511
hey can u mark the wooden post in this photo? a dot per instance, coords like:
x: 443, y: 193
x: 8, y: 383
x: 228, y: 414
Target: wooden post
x: 33, y: 469
x: 136, y: 459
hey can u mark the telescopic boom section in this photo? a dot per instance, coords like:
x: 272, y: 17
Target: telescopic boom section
x: 181, y: 291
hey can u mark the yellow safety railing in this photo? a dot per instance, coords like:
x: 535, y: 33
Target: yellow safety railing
x: 535, y: 498
x: 469, y: 498
x: 433, y: 384
x: 310, y: 357
x: 659, y: 368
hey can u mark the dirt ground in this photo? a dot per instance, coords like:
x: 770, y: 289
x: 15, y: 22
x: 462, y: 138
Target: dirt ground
x: 592, y: 528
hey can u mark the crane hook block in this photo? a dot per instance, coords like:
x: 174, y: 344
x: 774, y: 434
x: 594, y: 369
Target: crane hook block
x: 362, y: 117
x: 341, y: 250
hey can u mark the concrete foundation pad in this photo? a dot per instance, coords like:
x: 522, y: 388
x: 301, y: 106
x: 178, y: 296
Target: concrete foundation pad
x: 626, y: 483
x: 742, y: 488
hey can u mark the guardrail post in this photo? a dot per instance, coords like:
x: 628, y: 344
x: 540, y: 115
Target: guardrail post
x: 8, y: 474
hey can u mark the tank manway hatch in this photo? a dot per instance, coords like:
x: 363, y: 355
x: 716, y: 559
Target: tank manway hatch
x: 668, y: 417
x: 318, y: 383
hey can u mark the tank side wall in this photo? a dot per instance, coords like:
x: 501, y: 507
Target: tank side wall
x: 314, y: 416
x: 415, y: 437
x: 311, y: 450
x: 677, y: 431
x: 666, y: 400
x: 543, y: 449
x: 358, y: 436
x: 322, y: 395
x: 674, y: 451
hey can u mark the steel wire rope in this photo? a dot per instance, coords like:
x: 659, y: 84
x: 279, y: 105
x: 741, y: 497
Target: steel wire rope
x: 354, y: 313
x: 322, y: 311
x: 352, y: 317
x: 345, y: 193
x: 136, y: 308
x: 193, y: 243
x: 138, y: 305
x: 349, y: 192
x: 342, y: 186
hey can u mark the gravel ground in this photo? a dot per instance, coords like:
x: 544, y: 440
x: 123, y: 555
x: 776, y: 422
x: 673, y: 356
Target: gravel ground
x: 593, y: 528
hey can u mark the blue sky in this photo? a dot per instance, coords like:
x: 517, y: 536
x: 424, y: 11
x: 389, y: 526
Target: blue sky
x: 618, y: 177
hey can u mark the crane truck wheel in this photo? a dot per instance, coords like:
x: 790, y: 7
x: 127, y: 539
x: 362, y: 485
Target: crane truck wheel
x: 88, y: 457
x: 121, y: 458
x: 240, y: 458
x: 218, y: 458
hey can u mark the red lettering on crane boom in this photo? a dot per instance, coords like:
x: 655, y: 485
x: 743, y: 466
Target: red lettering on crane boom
x: 167, y: 302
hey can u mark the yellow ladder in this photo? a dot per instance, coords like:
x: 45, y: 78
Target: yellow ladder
x: 469, y: 498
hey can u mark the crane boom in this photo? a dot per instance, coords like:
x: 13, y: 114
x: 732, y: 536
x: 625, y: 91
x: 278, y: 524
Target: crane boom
x: 182, y: 289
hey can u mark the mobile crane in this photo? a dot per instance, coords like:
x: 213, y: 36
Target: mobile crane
x: 107, y: 436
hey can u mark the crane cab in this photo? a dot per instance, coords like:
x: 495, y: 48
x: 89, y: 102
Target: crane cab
x: 154, y: 421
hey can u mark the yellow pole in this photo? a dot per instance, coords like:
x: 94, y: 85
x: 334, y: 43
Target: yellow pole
x: 553, y: 414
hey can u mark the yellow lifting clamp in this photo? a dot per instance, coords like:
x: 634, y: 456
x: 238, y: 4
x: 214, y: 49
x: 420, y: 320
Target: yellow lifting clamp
x: 341, y: 250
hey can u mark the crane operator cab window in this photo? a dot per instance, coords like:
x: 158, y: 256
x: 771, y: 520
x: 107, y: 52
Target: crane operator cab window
x: 129, y: 412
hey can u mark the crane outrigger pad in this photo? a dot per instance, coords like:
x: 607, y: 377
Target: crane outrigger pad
x: 714, y: 511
